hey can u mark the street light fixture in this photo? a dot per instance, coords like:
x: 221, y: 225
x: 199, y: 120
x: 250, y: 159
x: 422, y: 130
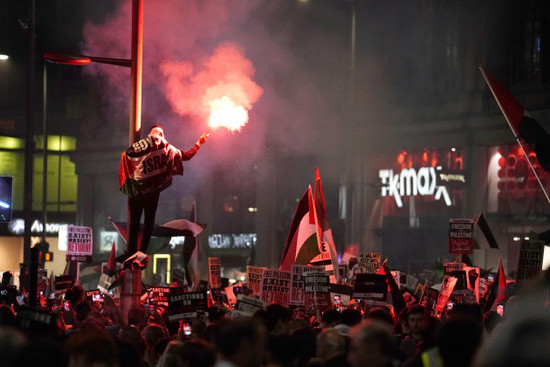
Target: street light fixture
x: 80, y: 60
x: 4, y: 57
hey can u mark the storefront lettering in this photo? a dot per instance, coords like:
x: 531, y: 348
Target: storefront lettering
x: 410, y: 182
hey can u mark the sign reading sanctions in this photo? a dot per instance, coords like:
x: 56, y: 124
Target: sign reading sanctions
x: 79, y: 244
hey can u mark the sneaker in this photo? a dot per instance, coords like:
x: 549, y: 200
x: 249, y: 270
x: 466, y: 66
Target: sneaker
x: 122, y: 258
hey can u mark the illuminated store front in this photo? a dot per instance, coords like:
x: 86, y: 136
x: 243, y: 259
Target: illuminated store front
x: 61, y: 196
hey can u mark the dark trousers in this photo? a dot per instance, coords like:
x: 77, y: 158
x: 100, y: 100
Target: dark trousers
x: 136, y: 206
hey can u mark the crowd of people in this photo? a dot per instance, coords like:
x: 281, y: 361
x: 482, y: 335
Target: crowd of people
x: 90, y: 333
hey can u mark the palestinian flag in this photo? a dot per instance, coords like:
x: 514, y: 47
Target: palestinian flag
x: 178, y: 227
x: 301, y: 245
x: 398, y: 300
x: 498, y: 293
x: 328, y: 256
x: 483, y: 236
x: 528, y: 132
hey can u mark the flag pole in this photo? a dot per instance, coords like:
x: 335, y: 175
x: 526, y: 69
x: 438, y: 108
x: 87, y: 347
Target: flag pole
x: 518, y: 139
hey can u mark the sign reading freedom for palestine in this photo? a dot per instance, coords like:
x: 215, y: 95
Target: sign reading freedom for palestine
x: 461, y: 236
x: 79, y: 244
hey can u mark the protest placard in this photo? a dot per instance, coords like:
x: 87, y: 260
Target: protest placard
x: 94, y: 295
x: 79, y: 244
x: 275, y: 287
x: 341, y: 292
x: 447, y: 288
x: 233, y: 291
x: 368, y: 262
x: 219, y: 296
x: 157, y: 294
x: 254, y: 276
x: 297, y: 295
x: 249, y: 305
x: 411, y: 282
x: 530, y: 260
x: 371, y: 286
x: 461, y: 236
x: 185, y: 305
x: 214, y: 272
x: 62, y: 283
x: 317, y: 291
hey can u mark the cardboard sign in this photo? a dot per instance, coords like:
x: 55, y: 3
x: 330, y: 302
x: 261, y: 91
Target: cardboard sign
x: 297, y: 295
x: 473, y: 275
x: 342, y: 293
x: 275, y: 287
x: 446, y: 290
x: 317, y: 291
x: 461, y: 236
x: 214, y: 272
x: 368, y: 263
x: 185, y: 305
x: 233, y: 291
x: 429, y: 298
x: 530, y: 260
x: 178, y: 275
x: 400, y: 278
x: 158, y: 294
x: 371, y: 286
x: 62, y: 283
x: 410, y: 298
x: 219, y: 296
x: 249, y: 305
x: 411, y: 282
x: 254, y: 276
x: 464, y: 296
x: 79, y: 244
x: 94, y: 296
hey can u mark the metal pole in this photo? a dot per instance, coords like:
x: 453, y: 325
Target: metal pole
x: 131, y: 284
x: 29, y: 143
x: 136, y: 71
x: 45, y: 150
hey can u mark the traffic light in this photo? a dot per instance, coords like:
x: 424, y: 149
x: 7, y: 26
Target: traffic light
x: 5, y: 198
x: 48, y: 256
x: 44, y: 254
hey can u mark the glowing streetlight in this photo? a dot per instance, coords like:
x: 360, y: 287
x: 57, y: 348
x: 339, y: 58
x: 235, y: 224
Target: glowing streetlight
x: 80, y: 60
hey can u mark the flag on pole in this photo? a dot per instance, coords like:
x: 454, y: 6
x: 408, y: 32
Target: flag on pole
x: 483, y: 238
x: 301, y: 244
x: 178, y: 227
x: 349, y: 253
x: 109, y: 271
x: 497, y: 294
x: 191, y: 255
x: 398, y: 300
x: 326, y: 242
x: 524, y: 127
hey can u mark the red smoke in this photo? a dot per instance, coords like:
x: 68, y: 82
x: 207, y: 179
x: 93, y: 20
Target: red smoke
x: 182, y: 57
x: 226, y: 74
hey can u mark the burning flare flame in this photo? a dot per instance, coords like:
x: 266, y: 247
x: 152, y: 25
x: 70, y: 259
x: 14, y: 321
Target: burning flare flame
x: 225, y: 112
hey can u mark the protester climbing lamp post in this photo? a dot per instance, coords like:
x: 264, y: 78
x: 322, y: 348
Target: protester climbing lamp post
x: 131, y: 285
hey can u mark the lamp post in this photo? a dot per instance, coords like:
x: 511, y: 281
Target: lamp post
x: 29, y: 257
x: 131, y: 285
